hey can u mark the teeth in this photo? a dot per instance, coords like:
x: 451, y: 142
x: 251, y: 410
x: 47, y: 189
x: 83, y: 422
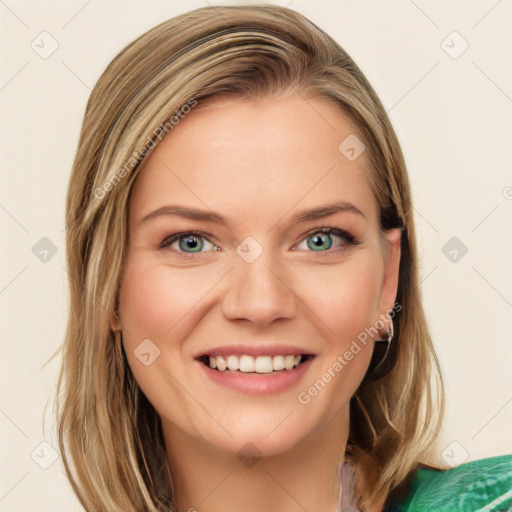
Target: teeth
x: 289, y: 362
x: 221, y: 363
x: 250, y: 364
x: 278, y: 362
x: 233, y: 363
x: 246, y: 364
x: 263, y: 364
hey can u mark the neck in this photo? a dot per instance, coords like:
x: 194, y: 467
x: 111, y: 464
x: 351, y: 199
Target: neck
x: 207, y: 479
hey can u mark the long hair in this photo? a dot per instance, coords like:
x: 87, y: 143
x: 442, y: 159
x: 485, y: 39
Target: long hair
x: 109, y: 434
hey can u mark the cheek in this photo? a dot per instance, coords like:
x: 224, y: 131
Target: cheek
x: 344, y: 298
x: 154, y: 299
x: 157, y: 302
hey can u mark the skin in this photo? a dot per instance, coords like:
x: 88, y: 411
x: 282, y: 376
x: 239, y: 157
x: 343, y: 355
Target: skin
x: 257, y: 163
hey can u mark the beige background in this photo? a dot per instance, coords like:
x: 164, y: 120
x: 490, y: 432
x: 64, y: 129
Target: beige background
x: 453, y: 118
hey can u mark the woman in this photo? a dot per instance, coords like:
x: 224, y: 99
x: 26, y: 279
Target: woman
x: 246, y: 329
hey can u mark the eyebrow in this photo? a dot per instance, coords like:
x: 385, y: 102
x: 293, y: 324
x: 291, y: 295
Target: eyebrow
x: 312, y: 214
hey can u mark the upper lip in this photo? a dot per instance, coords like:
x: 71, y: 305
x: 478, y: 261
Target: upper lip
x: 255, y: 350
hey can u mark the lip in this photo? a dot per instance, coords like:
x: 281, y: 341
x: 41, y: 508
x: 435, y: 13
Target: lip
x: 255, y: 350
x: 256, y: 383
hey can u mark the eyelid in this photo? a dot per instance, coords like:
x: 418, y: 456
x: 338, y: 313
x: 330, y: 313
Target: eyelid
x: 343, y: 233
x: 166, y: 243
x: 348, y: 240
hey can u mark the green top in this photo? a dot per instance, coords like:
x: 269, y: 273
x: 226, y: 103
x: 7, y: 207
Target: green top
x: 477, y: 486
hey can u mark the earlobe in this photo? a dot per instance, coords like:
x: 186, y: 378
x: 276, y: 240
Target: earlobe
x: 115, y: 322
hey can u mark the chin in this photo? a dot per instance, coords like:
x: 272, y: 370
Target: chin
x: 256, y: 446
x: 256, y: 437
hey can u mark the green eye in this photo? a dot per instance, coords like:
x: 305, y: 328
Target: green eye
x: 322, y: 241
x: 189, y: 242
x: 192, y: 242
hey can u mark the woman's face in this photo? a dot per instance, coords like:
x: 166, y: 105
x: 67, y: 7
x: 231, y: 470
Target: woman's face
x: 257, y: 184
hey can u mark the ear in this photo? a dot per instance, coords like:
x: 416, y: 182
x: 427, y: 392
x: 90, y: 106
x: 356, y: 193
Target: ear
x: 115, y: 322
x: 392, y: 252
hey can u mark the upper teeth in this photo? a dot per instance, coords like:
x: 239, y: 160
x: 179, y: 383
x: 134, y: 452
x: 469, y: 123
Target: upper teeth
x: 250, y: 364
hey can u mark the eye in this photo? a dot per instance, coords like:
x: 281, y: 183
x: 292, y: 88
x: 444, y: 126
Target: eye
x: 321, y: 239
x: 189, y: 242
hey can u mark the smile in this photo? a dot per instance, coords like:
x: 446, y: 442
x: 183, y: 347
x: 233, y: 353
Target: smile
x: 256, y: 375
x: 250, y: 364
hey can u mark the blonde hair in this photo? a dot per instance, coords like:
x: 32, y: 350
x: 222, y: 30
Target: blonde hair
x: 109, y: 434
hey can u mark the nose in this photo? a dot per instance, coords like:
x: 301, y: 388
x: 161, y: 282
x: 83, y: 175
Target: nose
x: 259, y: 293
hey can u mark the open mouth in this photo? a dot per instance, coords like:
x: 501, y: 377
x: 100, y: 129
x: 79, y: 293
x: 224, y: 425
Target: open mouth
x: 255, y: 365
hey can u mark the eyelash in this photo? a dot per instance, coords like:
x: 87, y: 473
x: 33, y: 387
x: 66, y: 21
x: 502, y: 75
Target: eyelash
x: 348, y: 238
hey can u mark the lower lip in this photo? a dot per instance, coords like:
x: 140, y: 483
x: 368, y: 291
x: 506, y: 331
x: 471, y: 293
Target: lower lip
x: 258, y: 383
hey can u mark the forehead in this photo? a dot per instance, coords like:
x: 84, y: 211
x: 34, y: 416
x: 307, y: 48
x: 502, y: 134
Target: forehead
x: 257, y: 158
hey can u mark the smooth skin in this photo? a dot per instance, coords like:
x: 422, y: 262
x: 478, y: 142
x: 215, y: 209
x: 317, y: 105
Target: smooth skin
x: 257, y: 163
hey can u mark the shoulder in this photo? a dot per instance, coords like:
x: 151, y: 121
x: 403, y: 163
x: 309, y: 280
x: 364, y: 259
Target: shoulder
x: 480, y: 485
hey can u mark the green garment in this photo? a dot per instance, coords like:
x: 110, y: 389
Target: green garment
x: 477, y: 486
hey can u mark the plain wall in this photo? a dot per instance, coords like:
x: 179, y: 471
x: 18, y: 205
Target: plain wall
x: 452, y: 112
